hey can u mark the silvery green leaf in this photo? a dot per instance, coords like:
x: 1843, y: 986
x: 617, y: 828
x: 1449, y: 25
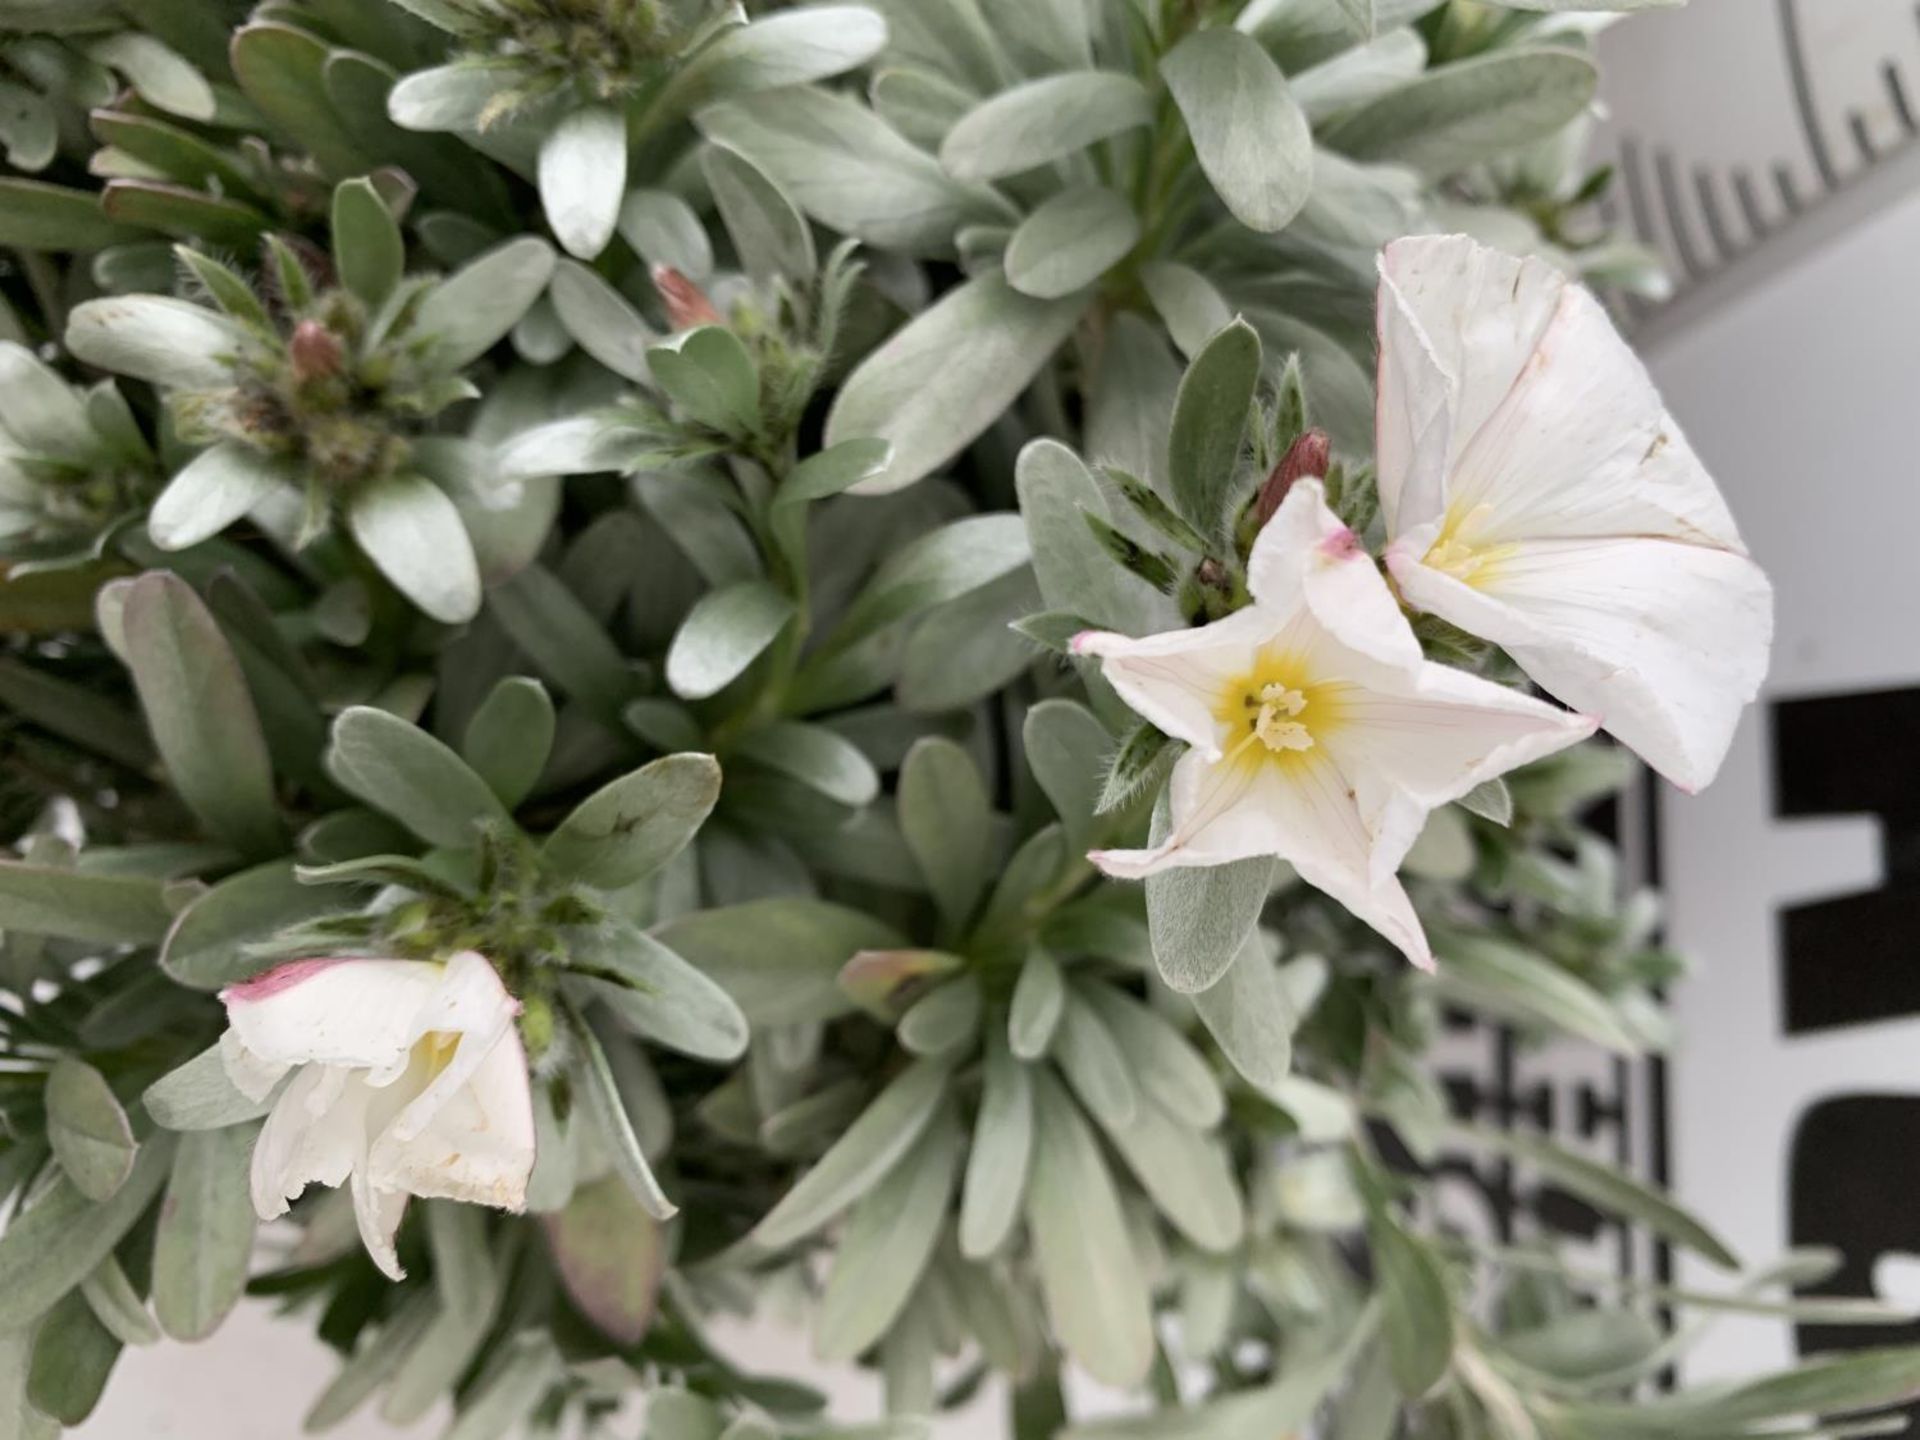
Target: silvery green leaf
x: 207, y: 946
x: 468, y: 1290
x: 677, y: 1414
x: 1249, y: 1013
x: 1066, y: 748
x: 215, y: 489
x: 920, y: 104
x: 380, y: 1353
x: 199, y: 1096
x: 1090, y: 1275
x: 724, y: 633
x: 1610, y: 1189
x: 944, y: 1021
x: 1361, y: 75
x: 367, y: 244
x: 599, y: 1097
x: 89, y: 1132
x: 50, y: 1248
x: 610, y: 1255
x: 205, y: 1236
x: 967, y: 649
x: 29, y: 129
x: 413, y: 533
x: 1070, y: 241
x: 701, y: 524
x: 872, y: 1146
x: 160, y: 77
x: 664, y: 230
x: 943, y: 378
x: 789, y: 48
x: 947, y: 820
x: 1057, y: 494
x: 1169, y: 1069
x: 1301, y: 34
x: 887, y: 1242
x: 402, y: 771
x: 507, y: 1396
x: 656, y: 993
x: 768, y: 231
x: 452, y: 97
x: 1000, y: 1155
x: 939, y: 566
x: 1210, y: 416
x: 1043, y: 120
x: 1339, y: 388
x: 1039, y: 1001
x: 583, y: 175
x: 1490, y: 800
x: 950, y: 36
x: 118, y: 1306
x: 1043, y: 35
x: 469, y: 312
x: 99, y: 909
x: 509, y: 737
x: 1192, y: 309
x: 73, y: 1354
x: 1417, y: 1316
x: 1251, y: 139
x: 1469, y: 111
x: 1200, y: 919
x: 633, y: 825
x: 780, y: 958
x: 1094, y: 1064
x: 563, y: 641
x: 1188, y: 1174
x: 817, y: 758
x: 843, y: 165
x: 201, y: 712
x: 39, y: 411
x: 1483, y: 973
x: 604, y: 323
x: 709, y: 375
x: 155, y: 338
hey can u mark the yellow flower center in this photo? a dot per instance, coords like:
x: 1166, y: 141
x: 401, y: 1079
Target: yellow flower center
x: 1277, y: 713
x: 1461, y: 549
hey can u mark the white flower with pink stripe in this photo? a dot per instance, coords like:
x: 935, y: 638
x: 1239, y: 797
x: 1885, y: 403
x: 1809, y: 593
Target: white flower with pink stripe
x: 408, y: 1078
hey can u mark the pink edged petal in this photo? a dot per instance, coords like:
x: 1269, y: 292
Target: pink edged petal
x: 315, y: 1134
x: 1481, y: 314
x: 1327, y: 840
x: 1666, y: 642
x: 1216, y: 818
x: 1582, y: 446
x: 1305, y: 555
x: 1174, y: 680
x: 348, y: 1012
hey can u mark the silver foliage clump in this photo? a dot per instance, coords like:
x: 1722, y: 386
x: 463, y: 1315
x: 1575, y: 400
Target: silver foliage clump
x: 608, y: 484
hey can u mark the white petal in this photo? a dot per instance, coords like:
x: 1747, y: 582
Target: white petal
x: 215, y: 489
x: 251, y: 1076
x: 1305, y: 555
x: 1412, y: 418
x: 1175, y: 680
x: 173, y: 343
x: 315, y: 1134
x: 1665, y: 642
x: 1327, y: 840
x: 1581, y: 446
x: 379, y: 1213
x: 359, y: 1013
x: 1477, y: 314
x: 1217, y: 817
x: 40, y: 410
x: 583, y: 178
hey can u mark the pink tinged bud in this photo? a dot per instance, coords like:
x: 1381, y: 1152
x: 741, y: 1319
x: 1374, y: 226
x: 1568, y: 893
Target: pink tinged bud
x: 687, y: 304
x: 316, y: 352
x: 1308, y: 456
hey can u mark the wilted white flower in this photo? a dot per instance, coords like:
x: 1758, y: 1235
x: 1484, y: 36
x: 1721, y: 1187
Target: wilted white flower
x: 1538, y: 495
x: 408, y: 1079
x: 1319, y: 731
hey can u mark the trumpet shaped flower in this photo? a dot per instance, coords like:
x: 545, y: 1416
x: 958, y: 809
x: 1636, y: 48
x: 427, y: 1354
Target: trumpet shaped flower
x: 1538, y: 495
x: 408, y: 1078
x: 1319, y: 733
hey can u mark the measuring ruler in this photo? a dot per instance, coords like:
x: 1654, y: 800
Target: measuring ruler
x: 1745, y: 130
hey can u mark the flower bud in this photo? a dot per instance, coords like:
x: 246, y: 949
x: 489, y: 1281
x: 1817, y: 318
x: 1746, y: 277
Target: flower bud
x: 687, y: 304
x: 316, y: 352
x: 1309, y: 455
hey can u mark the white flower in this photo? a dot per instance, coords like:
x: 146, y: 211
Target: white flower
x: 1319, y: 732
x: 1538, y: 495
x: 409, y: 1078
